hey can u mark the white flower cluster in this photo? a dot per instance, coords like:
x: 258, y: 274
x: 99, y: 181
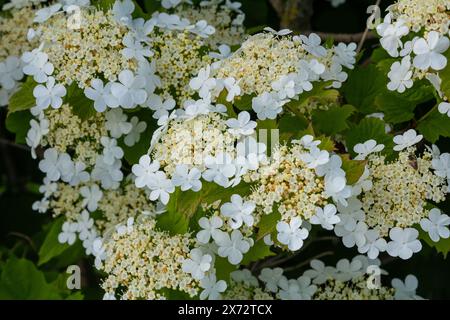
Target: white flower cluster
x: 417, y: 34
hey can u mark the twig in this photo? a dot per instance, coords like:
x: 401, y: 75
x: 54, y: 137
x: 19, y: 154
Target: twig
x: 304, y: 263
x: 366, y: 32
x: 15, y: 145
x: 25, y: 237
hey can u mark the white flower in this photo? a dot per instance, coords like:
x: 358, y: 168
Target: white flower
x: 391, y: 34
x: 238, y: 211
x: 408, y: 139
x: 406, y: 290
x: 50, y: 94
x: 203, y: 83
x: 219, y: 169
x: 352, y: 236
x: 400, y: 75
x: 444, y: 108
x: 300, y: 289
x: 187, y: 179
x: 79, y: 174
x: 125, y: 229
x: 242, y: 125
x: 147, y: 70
x: 346, y: 270
x: 271, y: 278
x: 308, y: 142
x: 10, y: 72
x: 108, y: 175
x: 101, y: 95
x: 85, y: 224
x: 267, y: 106
x: 292, y: 234
x: 326, y: 217
x: 167, y: 4
x: 46, y: 13
x: 134, y: 49
x: 315, y: 157
x: 366, y: 148
x: 232, y: 247
x: 37, y: 65
x: 68, y: 233
x: 404, y: 242
x: 224, y: 52
x: 436, y: 225
x: 161, y: 187
x: 345, y: 54
x: 49, y: 164
x: 122, y: 10
x: 134, y: 135
x: 282, y: 32
x: 111, y: 151
x: 66, y: 167
x: 212, y: 287
x: 441, y: 165
x: 202, y: 29
x: 92, y: 195
x: 116, y: 123
x: 374, y: 244
x: 129, y: 90
x: 35, y: 133
x: 429, y: 52
x: 312, y: 45
x: 41, y: 206
x: 144, y: 171
x: 332, y: 168
x: 335, y: 74
x: 155, y: 103
x: 210, y: 228
x: 232, y: 87
x: 286, y: 86
x: 198, y: 264
x: 319, y: 272
x: 244, y: 276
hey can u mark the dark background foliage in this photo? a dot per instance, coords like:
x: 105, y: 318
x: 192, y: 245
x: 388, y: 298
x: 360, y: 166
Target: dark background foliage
x: 22, y: 231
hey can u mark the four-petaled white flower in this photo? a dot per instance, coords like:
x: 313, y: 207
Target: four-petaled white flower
x: 232, y: 247
x: 271, y: 278
x: 101, y: 95
x: 111, y: 151
x: 345, y: 54
x: 134, y: 48
x: 117, y: 124
x: 444, y: 108
x: 374, y: 244
x: 319, y: 272
x: 429, y: 52
x: 160, y: 187
x: 197, y: 264
x: 203, y: 83
x: 212, y: 287
x: 134, y: 135
x: 406, y: 290
x: 436, y: 225
x: 441, y: 165
x: 187, y: 179
x: 391, y: 35
x: 10, y: 72
x: 366, y: 148
x: 210, y: 229
x: 400, y: 75
x: 404, y: 242
x: 407, y: 139
x: 68, y: 234
x: 92, y: 195
x: 155, y: 103
x: 315, y: 157
x: 219, y: 169
x: 238, y: 211
x: 292, y: 234
x: 129, y: 90
x: 326, y: 217
x: 49, y: 95
x: 46, y: 13
x: 267, y: 106
x: 312, y: 45
x: 242, y: 125
x: 232, y: 87
x: 37, y: 65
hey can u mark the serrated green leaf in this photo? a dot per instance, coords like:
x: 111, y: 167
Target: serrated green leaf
x: 354, y: 169
x: 20, y: 279
x: 51, y: 247
x: 434, y: 125
x: 333, y: 120
x: 258, y: 251
x: 23, y: 99
x: 442, y: 246
x: 267, y: 224
x: 395, y: 109
x: 291, y: 126
x: 19, y: 124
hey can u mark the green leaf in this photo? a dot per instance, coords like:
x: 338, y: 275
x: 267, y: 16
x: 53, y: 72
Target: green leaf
x: 354, y: 169
x: 290, y: 126
x: 395, y: 109
x: 223, y: 268
x: 244, y: 102
x: 51, y: 247
x: 368, y: 128
x: 333, y: 120
x: 319, y: 95
x: 267, y: 224
x: 19, y: 124
x: 151, y: 6
x: 23, y: 99
x: 445, y: 77
x: 379, y: 54
x: 363, y: 86
x: 259, y: 251
x: 81, y: 105
x: 442, y: 246
x: 434, y: 125
x: 20, y: 279
x: 133, y: 153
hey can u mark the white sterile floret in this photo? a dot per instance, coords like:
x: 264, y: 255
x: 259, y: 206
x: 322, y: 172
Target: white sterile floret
x: 374, y: 244
x: 134, y: 135
x: 242, y: 125
x: 49, y: 95
x: 244, y: 276
x: 429, y: 52
x: 101, y: 95
x: 108, y: 175
x: 92, y: 195
x: 345, y: 54
x: 232, y: 247
x: 126, y: 228
x: 122, y: 10
x: 400, y: 75
x: 46, y: 13
x: 198, y: 264
x: 238, y: 211
x: 219, y: 169
x: 407, y: 139
x: 312, y: 45
x: 35, y: 134
x: 117, y: 124
x: 210, y: 229
x: 233, y: 89
x: 160, y: 187
x: 403, y: 242
x: 391, y: 35
x: 292, y: 234
x: 319, y: 272
x: 144, y: 171
x: 366, y: 148
x: 111, y: 151
x: 129, y: 91
x: 353, y: 234
x: 271, y: 278
x: 134, y: 48
x: 267, y: 106
x: 436, y: 225
x: 441, y: 165
x: 406, y: 290
x: 155, y: 103
x: 332, y: 168
x: 203, y: 83
x: 315, y: 157
x: 37, y: 65
x: 80, y: 175
x: 10, y: 72
x: 326, y: 217
x: 212, y: 287
x: 187, y: 179
x: 308, y: 142
x: 202, y: 29
x: 444, y: 108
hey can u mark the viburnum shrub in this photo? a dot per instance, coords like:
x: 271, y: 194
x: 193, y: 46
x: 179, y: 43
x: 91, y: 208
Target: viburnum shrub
x: 194, y: 159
